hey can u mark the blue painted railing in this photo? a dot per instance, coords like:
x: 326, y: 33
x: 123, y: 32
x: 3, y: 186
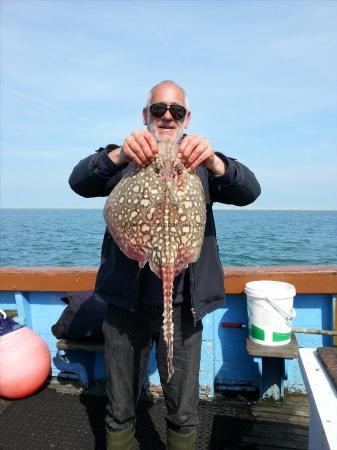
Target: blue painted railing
x: 225, y: 364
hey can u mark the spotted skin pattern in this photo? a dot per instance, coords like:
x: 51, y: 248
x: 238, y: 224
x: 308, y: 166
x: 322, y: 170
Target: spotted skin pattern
x: 157, y: 214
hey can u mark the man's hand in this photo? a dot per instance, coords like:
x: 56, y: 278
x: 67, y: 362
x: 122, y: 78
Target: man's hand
x: 195, y: 150
x: 139, y: 147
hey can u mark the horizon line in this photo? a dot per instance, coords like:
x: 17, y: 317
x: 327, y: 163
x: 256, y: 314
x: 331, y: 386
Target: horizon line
x: 232, y: 208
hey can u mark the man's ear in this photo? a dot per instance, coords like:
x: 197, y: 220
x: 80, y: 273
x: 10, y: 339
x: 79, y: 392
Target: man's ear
x: 187, y: 120
x: 145, y: 116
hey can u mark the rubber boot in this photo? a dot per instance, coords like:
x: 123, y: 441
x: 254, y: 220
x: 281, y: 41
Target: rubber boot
x: 179, y: 441
x: 120, y: 440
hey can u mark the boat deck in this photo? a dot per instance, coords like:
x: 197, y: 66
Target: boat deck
x: 69, y: 417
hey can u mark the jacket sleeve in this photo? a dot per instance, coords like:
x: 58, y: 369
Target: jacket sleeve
x: 96, y: 175
x: 238, y: 186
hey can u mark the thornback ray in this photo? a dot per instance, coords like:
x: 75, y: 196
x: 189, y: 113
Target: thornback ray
x: 157, y: 214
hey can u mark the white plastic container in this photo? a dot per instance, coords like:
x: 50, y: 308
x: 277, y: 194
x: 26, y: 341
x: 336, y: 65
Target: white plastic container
x: 270, y: 311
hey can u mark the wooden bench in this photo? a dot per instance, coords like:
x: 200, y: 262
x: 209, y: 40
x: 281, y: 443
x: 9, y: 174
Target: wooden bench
x: 273, y: 371
x: 76, y: 359
x: 68, y: 344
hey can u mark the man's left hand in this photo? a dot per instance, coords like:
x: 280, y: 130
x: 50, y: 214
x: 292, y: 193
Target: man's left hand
x: 195, y: 150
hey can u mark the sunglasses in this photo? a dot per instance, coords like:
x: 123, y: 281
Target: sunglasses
x: 178, y: 112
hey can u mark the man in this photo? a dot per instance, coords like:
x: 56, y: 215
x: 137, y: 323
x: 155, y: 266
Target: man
x: 134, y: 319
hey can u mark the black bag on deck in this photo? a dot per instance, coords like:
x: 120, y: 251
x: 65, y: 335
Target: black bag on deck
x: 82, y: 319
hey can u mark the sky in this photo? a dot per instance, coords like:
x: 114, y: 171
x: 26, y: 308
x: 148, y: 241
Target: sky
x: 261, y: 77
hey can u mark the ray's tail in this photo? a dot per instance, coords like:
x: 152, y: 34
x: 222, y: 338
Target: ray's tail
x: 168, y: 277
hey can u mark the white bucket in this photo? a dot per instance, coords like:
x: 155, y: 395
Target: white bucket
x: 270, y: 311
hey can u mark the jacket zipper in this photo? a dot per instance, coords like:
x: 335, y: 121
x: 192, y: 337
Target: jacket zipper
x: 194, y: 313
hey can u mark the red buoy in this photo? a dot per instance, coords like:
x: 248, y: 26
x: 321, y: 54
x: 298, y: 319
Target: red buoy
x: 24, y: 359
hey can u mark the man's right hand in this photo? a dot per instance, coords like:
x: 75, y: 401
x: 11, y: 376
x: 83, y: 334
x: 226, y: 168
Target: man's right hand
x: 140, y: 147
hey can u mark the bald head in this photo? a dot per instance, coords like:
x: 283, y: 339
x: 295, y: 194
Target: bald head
x: 168, y: 85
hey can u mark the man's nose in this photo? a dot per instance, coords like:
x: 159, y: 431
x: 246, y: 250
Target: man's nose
x: 167, y: 115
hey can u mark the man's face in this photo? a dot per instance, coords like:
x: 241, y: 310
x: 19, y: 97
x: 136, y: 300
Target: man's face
x: 166, y: 127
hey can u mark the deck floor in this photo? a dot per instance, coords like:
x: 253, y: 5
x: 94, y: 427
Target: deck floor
x: 65, y: 417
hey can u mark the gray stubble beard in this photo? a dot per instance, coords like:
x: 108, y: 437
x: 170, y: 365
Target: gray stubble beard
x: 176, y: 140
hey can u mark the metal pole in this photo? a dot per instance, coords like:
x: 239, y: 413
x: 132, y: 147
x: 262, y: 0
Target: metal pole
x: 294, y: 329
x: 314, y: 331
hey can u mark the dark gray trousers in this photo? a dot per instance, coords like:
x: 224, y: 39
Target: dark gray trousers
x: 129, y: 337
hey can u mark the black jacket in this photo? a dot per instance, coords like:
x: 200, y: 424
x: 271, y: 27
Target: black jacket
x: 118, y: 280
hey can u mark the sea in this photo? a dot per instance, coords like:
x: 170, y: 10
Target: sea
x: 72, y: 237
